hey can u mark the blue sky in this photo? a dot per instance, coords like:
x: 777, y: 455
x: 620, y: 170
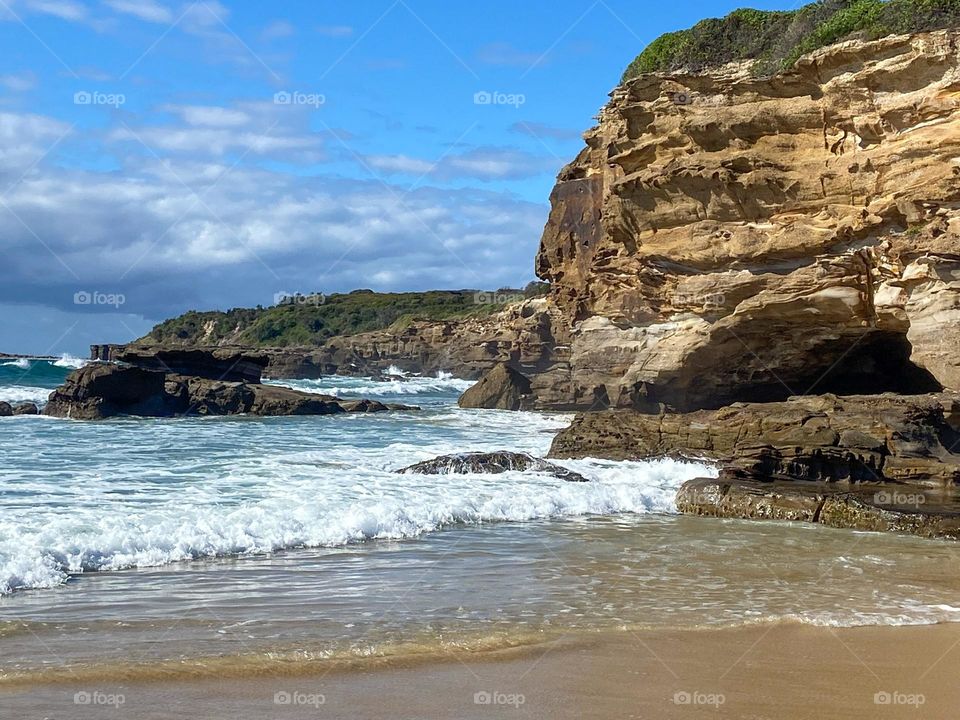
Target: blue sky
x: 158, y: 156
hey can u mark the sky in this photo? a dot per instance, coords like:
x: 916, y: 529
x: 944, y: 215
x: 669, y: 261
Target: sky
x: 158, y: 156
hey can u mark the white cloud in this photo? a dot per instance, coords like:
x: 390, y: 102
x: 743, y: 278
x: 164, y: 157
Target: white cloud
x: 188, y: 231
x: 63, y: 9
x: 25, y: 138
x: 335, y: 31
x: 399, y: 164
x: 209, y: 115
x: 216, y: 141
x: 146, y: 10
x: 200, y: 17
x: 19, y: 82
x: 278, y: 29
x: 479, y: 163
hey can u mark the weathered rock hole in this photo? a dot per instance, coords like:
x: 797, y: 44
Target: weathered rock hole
x: 878, y: 363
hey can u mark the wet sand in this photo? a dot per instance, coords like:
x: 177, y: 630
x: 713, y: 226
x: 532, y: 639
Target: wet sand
x: 778, y: 671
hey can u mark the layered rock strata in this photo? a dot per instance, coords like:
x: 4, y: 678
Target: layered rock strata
x: 724, y: 237
x: 911, y: 440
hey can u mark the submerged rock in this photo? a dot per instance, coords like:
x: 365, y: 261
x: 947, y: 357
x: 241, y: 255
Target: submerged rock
x: 101, y: 390
x: 493, y: 463
x: 887, y: 507
x: 503, y: 388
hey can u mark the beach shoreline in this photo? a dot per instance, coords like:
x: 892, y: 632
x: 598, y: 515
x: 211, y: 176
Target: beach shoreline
x: 788, y: 671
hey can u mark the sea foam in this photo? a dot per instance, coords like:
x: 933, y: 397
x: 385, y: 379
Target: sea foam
x: 294, y: 508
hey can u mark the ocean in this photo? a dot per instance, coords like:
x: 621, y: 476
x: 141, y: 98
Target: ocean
x: 143, y: 548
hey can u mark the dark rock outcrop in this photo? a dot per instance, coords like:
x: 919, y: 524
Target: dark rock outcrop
x: 503, y: 388
x: 26, y: 409
x: 872, y: 438
x: 99, y: 391
x: 873, y: 507
x: 5, y: 409
x: 229, y: 364
x: 490, y: 462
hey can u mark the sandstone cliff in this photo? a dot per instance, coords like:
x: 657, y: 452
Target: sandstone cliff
x: 724, y: 237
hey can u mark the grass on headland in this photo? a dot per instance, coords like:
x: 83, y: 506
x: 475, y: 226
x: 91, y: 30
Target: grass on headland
x: 309, y: 320
x: 775, y: 40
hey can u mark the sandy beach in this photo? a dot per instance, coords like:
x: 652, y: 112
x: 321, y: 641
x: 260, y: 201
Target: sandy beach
x: 777, y: 671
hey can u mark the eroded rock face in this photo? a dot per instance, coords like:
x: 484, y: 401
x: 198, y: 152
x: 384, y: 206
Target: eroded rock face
x: 494, y: 463
x: 880, y: 438
x: 98, y: 391
x: 728, y: 238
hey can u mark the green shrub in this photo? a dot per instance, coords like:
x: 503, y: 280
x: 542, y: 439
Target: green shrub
x: 776, y: 40
x: 312, y: 319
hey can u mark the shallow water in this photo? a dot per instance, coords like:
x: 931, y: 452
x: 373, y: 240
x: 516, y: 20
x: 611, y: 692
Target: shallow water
x: 145, y: 547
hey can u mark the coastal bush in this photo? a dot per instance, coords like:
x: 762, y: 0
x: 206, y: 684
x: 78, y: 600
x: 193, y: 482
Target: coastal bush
x: 775, y: 40
x: 305, y: 320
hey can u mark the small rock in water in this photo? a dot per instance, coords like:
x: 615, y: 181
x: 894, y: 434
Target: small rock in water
x: 492, y: 463
x: 26, y: 409
x: 5, y: 409
x: 503, y: 388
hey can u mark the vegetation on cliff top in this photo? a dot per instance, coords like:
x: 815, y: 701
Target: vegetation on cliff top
x: 305, y: 320
x: 777, y: 39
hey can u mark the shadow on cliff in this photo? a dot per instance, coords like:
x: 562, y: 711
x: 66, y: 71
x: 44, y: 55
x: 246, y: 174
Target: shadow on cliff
x: 877, y: 363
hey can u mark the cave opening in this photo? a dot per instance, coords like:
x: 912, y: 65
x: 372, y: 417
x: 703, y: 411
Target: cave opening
x: 878, y: 363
